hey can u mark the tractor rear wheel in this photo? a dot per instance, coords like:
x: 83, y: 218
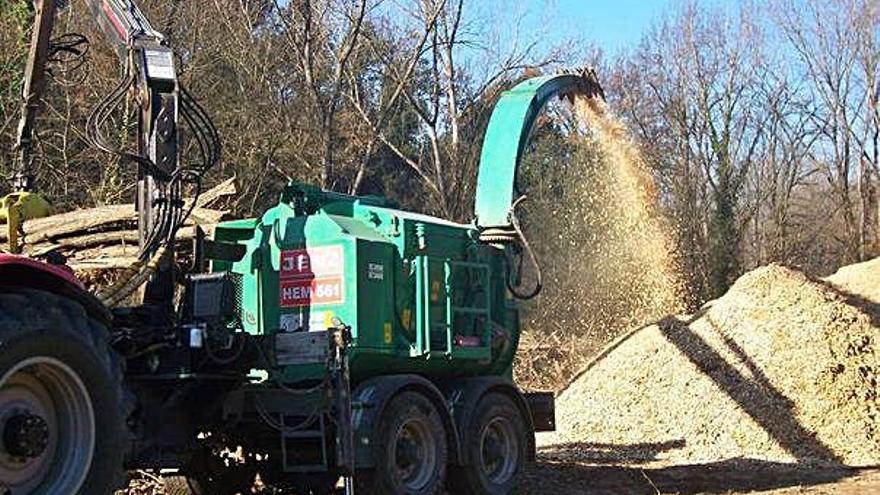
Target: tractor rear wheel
x: 411, y: 449
x: 60, y: 384
x: 496, y: 443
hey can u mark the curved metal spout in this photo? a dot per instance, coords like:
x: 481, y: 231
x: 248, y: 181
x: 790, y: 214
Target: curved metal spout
x: 508, y: 134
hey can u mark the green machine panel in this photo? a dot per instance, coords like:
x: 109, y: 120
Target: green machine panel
x: 421, y: 294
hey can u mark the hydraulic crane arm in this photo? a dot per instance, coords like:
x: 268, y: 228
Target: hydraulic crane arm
x: 123, y: 22
x: 141, y: 49
x: 32, y: 90
x: 151, y: 78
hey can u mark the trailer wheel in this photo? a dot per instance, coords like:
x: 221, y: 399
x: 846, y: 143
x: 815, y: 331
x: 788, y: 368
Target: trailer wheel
x: 496, y: 443
x: 60, y: 383
x: 411, y: 450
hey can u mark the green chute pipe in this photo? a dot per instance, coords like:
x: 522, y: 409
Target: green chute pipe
x: 506, y: 137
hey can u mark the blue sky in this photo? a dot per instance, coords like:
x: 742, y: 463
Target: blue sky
x: 610, y: 24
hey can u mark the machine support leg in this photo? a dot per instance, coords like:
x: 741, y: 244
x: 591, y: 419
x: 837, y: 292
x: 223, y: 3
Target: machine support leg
x: 342, y: 387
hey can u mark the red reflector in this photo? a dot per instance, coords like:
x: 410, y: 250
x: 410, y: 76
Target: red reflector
x: 466, y: 341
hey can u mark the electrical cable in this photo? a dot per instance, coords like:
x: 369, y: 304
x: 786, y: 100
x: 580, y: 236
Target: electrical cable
x: 267, y: 418
x: 242, y: 344
x: 293, y: 391
x: 264, y: 415
x: 539, y: 277
x: 512, y: 234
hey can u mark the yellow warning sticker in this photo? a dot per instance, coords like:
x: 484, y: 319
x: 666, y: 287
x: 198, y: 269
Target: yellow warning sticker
x: 388, y: 333
x: 435, y: 291
x: 328, y: 319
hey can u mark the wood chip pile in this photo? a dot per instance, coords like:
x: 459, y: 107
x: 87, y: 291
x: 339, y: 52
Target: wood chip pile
x: 782, y: 368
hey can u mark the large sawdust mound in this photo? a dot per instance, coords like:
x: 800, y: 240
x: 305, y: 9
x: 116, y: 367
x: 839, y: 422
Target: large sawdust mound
x: 860, y: 280
x: 782, y: 368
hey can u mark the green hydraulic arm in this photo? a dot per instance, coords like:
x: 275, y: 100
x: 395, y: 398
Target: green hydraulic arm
x: 514, y: 115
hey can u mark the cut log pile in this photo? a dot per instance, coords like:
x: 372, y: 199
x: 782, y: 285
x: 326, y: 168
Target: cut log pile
x: 106, y: 237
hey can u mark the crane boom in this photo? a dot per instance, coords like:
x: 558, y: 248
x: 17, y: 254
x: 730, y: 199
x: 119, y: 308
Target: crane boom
x: 32, y: 90
x: 141, y: 49
x: 151, y: 78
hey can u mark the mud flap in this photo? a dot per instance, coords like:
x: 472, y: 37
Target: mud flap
x: 543, y: 408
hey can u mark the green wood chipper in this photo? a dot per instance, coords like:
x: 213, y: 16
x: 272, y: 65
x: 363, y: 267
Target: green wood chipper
x: 332, y: 338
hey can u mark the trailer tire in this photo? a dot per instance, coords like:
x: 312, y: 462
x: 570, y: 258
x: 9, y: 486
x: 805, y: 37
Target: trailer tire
x: 60, y: 384
x: 496, y: 445
x: 411, y: 449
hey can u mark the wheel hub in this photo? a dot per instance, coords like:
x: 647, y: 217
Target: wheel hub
x: 47, y: 428
x: 499, y: 454
x: 414, y: 454
x: 26, y: 435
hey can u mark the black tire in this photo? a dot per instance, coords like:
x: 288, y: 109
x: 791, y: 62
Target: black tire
x: 50, y: 349
x: 496, y: 465
x: 409, y: 418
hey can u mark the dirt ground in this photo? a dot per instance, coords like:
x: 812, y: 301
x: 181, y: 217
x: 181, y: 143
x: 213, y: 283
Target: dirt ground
x: 591, y: 469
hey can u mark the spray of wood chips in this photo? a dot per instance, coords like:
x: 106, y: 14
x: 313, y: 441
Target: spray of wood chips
x: 607, y: 251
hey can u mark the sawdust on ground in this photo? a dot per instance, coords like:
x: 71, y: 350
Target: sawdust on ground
x: 781, y: 369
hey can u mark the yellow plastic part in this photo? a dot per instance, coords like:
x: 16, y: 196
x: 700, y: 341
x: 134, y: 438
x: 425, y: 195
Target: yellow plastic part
x: 18, y: 207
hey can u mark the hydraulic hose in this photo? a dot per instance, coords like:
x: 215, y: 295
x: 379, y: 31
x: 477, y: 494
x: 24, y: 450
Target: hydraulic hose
x: 512, y: 234
x: 133, y: 277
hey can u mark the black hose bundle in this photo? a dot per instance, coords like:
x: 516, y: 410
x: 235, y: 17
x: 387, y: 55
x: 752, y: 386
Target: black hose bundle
x: 170, y: 211
x: 512, y: 238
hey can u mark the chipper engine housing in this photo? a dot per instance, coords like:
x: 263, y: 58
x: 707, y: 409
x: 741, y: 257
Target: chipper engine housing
x: 419, y: 294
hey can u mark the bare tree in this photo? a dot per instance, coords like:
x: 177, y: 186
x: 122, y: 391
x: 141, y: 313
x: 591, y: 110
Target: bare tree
x: 323, y: 35
x: 451, y: 103
x: 700, y: 72
x: 835, y: 41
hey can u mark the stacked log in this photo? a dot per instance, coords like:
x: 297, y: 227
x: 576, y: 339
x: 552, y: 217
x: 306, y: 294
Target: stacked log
x: 106, y: 237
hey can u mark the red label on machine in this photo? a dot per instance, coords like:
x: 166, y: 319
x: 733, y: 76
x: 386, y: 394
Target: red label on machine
x: 312, y: 276
x: 297, y: 293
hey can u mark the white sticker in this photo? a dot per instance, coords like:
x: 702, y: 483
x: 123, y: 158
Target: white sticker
x: 318, y: 321
x: 160, y: 64
x: 291, y: 322
x: 375, y: 271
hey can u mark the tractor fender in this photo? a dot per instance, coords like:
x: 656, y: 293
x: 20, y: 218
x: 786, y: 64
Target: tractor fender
x: 369, y: 401
x: 23, y: 272
x: 464, y: 395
